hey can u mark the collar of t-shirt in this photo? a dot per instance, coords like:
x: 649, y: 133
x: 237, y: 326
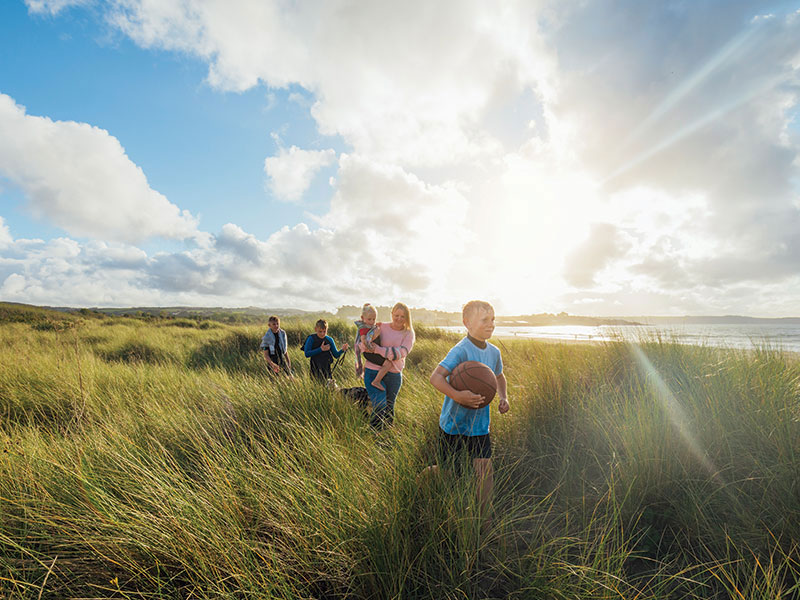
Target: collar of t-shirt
x: 479, y: 343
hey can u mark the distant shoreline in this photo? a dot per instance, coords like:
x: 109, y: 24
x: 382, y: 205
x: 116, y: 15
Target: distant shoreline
x: 431, y: 318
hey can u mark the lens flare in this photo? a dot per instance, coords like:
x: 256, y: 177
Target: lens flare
x: 674, y: 411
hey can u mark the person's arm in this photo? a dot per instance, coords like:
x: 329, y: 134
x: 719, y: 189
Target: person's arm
x: 308, y: 348
x: 502, y: 391
x: 357, y: 350
x: 463, y: 397
x: 270, y: 364
x: 395, y: 352
x: 336, y: 352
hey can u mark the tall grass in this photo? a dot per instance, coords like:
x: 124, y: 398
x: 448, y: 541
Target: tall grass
x: 160, y: 460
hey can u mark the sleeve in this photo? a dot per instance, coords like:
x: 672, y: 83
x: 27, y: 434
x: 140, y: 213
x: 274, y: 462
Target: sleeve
x: 499, y: 364
x: 308, y: 349
x: 396, y: 352
x: 265, y: 341
x: 456, y: 355
x: 334, y: 350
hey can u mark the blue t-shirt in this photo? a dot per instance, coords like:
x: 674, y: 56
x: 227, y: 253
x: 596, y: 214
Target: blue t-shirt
x: 457, y: 419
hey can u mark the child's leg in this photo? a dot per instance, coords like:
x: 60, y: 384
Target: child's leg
x: 485, y: 474
x: 381, y: 373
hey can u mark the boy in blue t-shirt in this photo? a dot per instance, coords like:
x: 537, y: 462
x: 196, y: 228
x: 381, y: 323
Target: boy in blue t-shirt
x: 464, y: 428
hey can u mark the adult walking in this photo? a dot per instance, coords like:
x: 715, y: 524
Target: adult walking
x: 396, y: 341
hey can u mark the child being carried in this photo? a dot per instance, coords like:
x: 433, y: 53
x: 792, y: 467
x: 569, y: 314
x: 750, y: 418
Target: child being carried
x: 369, y: 334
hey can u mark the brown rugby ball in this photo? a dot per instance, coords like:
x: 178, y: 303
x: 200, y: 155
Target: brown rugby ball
x: 477, y: 378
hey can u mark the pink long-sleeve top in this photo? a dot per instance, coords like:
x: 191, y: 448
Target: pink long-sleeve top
x: 394, y: 345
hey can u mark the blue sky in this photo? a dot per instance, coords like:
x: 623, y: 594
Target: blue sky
x: 197, y: 146
x: 610, y: 158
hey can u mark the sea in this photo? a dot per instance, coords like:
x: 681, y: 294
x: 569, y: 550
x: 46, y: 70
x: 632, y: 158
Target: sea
x: 736, y: 336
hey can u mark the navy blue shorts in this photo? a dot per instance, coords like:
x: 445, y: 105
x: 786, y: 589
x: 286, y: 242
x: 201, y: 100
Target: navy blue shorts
x: 453, y: 449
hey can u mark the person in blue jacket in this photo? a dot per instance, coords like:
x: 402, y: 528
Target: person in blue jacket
x: 321, y: 350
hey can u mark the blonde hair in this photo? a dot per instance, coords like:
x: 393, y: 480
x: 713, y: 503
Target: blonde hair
x: 473, y: 306
x: 405, y: 310
x: 368, y: 309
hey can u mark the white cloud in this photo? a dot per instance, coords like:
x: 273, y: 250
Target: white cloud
x: 53, y: 7
x: 292, y: 171
x: 407, y: 83
x: 382, y: 249
x: 5, y: 234
x: 487, y: 140
x: 79, y: 178
x: 604, y: 244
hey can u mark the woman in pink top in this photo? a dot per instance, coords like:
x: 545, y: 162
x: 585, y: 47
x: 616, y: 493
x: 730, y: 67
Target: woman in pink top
x: 397, y: 339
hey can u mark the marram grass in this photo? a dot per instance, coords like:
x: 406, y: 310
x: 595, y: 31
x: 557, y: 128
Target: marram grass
x: 157, y: 459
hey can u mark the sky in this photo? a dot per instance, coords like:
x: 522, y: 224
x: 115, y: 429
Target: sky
x: 608, y: 158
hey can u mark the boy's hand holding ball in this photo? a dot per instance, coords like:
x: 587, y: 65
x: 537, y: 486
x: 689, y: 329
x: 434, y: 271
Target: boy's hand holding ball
x: 468, y: 399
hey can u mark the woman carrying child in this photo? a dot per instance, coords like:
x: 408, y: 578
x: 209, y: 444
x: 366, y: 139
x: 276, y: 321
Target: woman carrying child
x: 396, y: 341
x: 369, y: 334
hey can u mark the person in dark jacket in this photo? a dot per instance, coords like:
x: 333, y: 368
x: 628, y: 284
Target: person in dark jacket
x: 321, y: 350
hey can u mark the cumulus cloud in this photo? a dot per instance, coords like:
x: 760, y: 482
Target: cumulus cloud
x: 378, y: 248
x: 604, y: 244
x: 5, y: 234
x: 513, y: 153
x: 292, y: 170
x: 79, y: 178
x: 669, y: 109
x: 408, y: 83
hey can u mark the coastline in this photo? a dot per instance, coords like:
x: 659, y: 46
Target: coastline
x: 792, y: 354
x: 784, y: 339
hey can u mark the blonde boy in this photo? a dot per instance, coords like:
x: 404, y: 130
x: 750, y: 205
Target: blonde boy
x: 463, y: 427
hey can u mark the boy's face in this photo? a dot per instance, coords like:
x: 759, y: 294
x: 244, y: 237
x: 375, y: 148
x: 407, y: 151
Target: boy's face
x: 321, y: 331
x: 369, y: 319
x: 480, y: 324
x: 275, y: 325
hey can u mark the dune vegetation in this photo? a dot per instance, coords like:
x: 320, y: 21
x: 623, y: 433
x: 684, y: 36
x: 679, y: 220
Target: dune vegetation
x: 156, y: 458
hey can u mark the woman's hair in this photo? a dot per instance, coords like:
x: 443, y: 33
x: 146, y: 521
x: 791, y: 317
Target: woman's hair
x: 405, y: 310
x: 368, y: 309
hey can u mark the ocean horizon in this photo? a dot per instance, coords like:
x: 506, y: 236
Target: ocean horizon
x: 727, y: 335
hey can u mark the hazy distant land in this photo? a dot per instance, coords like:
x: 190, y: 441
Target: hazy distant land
x: 250, y: 314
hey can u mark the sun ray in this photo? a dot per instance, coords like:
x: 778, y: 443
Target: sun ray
x: 675, y: 413
x: 729, y: 53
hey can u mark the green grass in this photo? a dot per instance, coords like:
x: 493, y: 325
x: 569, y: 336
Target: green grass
x: 157, y: 459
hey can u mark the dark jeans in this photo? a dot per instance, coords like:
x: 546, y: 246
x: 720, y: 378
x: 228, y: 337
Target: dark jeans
x: 321, y: 372
x: 382, y: 400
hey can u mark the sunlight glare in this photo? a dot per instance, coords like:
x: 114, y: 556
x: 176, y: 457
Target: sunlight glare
x: 675, y: 413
